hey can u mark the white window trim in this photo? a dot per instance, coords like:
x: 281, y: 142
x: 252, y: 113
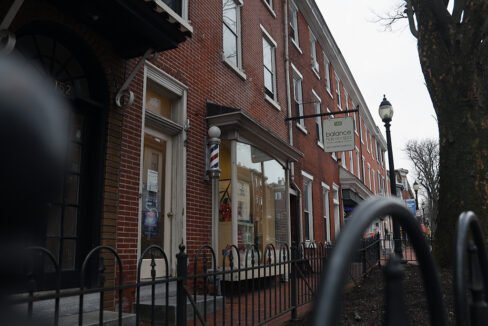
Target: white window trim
x: 301, y: 122
x: 338, y: 92
x: 294, y: 10
x: 313, y: 54
x: 183, y: 19
x: 270, y: 8
x: 364, y: 171
x: 307, y: 175
x: 358, y: 161
x: 270, y: 39
x: 317, y: 98
x: 336, y: 202
x: 238, y: 69
x: 328, y: 85
x: 326, y: 209
x: 309, y: 178
x: 369, y: 175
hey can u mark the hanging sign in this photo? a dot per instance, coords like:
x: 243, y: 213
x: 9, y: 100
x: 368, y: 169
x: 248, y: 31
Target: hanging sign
x: 338, y: 134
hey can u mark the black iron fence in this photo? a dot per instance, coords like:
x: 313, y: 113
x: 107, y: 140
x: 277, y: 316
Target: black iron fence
x: 237, y: 287
x: 470, y: 273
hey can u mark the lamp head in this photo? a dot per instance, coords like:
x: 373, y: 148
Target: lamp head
x: 416, y: 186
x: 385, y: 110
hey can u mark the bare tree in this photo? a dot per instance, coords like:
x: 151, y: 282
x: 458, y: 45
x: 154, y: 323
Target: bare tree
x: 452, y: 40
x: 424, y: 155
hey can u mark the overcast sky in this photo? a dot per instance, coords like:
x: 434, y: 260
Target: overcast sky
x: 384, y: 63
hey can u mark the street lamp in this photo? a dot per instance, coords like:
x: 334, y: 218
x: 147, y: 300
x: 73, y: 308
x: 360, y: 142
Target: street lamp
x: 416, y: 189
x: 423, y: 213
x: 386, y: 113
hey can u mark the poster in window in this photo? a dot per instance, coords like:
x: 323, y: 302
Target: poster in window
x: 150, y: 214
x: 243, y: 201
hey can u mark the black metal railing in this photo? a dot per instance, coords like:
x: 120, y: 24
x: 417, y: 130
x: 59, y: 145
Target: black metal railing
x: 242, y: 286
x: 470, y: 277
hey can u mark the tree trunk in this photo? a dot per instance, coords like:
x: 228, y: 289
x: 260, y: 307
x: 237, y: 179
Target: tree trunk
x: 463, y: 135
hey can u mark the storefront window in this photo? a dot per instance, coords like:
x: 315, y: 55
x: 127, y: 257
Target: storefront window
x: 260, y: 200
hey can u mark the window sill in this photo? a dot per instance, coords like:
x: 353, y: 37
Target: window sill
x: 328, y: 91
x: 237, y: 70
x: 296, y: 46
x: 316, y: 73
x: 271, y: 11
x: 271, y: 101
x: 302, y: 128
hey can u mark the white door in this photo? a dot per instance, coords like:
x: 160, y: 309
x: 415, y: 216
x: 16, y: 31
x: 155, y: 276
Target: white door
x: 156, y: 213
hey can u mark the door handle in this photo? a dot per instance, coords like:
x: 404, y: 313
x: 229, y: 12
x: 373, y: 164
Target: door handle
x: 170, y: 214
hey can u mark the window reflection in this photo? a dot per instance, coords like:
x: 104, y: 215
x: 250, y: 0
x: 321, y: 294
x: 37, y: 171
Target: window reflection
x: 261, y: 204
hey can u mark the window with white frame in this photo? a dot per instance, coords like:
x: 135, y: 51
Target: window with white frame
x: 326, y: 210
x: 327, y: 73
x: 364, y: 171
x: 343, y: 160
x: 368, y: 140
x: 338, y: 91
x: 337, y: 216
x: 269, y: 65
x: 313, y: 52
x: 361, y: 126
x: 369, y: 176
x: 380, y: 188
x: 307, y: 207
x: 232, y: 32
x: 297, y: 95
x: 374, y: 181
x: 317, y: 103
x: 333, y: 154
x: 346, y: 96
x: 294, y: 23
x: 351, y: 162
x: 358, y: 165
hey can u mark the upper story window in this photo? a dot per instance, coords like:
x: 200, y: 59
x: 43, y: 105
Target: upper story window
x: 294, y: 23
x: 232, y: 32
x: 361, y: 125
x: 317, y: 102
x: 358, y: 163
x: 269, y: 65
x: 327, y: 73
x: 326, y: 209
x: 346, y: 96
x: 307, y: 207
x: 313, y: 53
x: 338, y: 91
x: 298, y: 96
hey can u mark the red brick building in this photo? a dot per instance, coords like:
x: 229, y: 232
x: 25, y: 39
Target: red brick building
x: 139, y: 174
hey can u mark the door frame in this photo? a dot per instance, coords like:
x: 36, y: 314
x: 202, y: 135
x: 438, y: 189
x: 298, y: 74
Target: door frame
x: 176, y: 130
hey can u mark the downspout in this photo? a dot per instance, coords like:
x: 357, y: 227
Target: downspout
x: 291, y: 165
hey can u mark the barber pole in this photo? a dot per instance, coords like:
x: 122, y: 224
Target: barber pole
x: 214, y: 156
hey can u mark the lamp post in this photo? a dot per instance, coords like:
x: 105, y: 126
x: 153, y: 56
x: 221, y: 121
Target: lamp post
x: 423, y: 213
x: 416, y: 189
x: 386, y: 113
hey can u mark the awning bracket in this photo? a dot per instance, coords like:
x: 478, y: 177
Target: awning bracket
x: 124, y: 91
x: 7, y: 38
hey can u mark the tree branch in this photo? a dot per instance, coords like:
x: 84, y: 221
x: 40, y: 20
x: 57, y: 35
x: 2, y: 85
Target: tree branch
x: 411, y: 20
x: 459, y: 6
x: 442, y: 14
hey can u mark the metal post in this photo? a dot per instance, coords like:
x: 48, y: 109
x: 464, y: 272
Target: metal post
x: 416, y: 200
x: 214, y: 174
x: 293, y: 283
x: 182, y: 272
x: 396, y: 227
